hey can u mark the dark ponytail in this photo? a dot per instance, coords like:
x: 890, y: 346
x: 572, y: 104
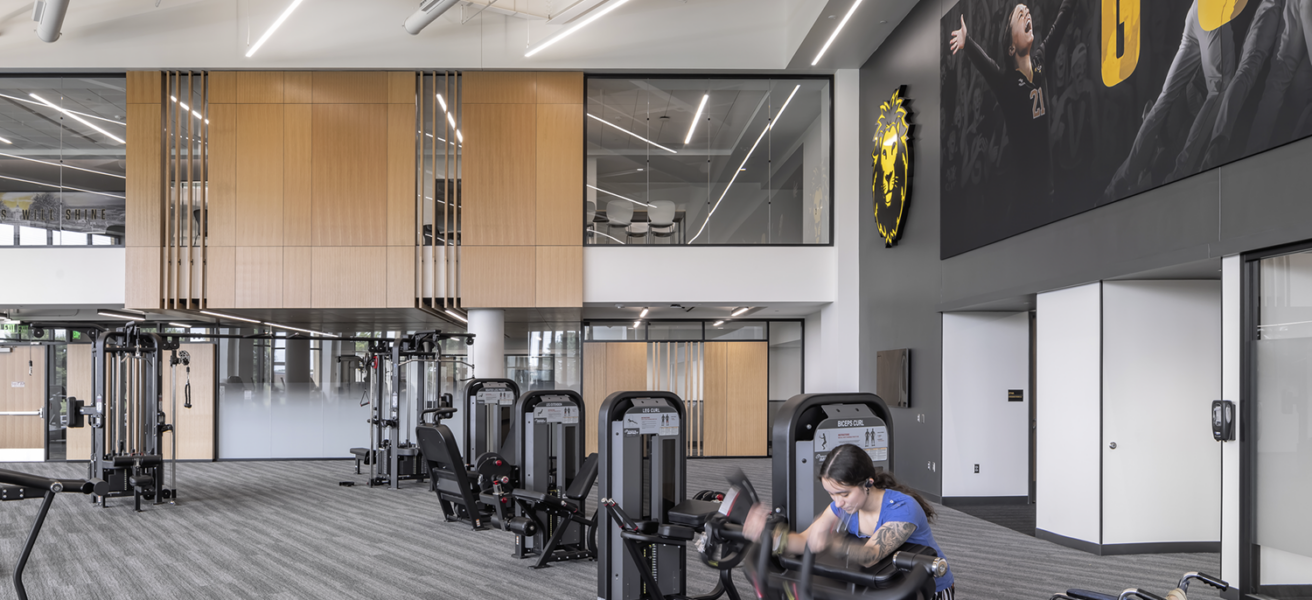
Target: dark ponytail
x: 851, y: 466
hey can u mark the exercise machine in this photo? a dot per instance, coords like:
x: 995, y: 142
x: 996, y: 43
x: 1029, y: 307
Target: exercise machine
x: 1180, y: 592
x: 23, y: 486
x: 642, y: 547
x: 556, y: 480
x: 477, y: 494
x: 490, y: 406
x: 805, y: 429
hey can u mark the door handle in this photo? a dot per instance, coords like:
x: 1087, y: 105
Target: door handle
x: 20, y: 413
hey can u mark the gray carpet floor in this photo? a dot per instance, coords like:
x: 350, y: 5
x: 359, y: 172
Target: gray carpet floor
x: 287, y: 530
x: 1016, y: 517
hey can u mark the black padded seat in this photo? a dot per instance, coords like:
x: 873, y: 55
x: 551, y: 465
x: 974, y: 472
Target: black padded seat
x: 581, y: 487
x: 141, y: 481
x: 693, y: 513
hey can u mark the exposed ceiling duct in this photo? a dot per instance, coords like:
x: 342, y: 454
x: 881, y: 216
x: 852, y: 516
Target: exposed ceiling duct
x: 429, y: 11
x: 49, y: 17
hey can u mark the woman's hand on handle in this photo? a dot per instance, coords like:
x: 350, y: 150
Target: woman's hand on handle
x: 958, y: 40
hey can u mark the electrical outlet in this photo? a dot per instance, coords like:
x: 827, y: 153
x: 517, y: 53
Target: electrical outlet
x: 977, y: 467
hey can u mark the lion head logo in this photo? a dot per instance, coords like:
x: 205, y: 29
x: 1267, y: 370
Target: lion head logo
x: 892, y: 166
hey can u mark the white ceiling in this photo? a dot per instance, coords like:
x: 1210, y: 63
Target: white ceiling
x: 366, y: 34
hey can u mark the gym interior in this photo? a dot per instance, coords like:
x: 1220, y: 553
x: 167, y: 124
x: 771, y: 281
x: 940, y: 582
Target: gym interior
x: 564, y: 298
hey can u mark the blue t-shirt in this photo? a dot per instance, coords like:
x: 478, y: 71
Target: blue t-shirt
x: 900, y: 508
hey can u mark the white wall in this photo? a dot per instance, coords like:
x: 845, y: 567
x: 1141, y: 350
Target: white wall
x: 1231, y: 345
x: 1161, y: 363
x: 726, y: 275
x: 1069, y: 381
x: 984, y: 356
x: 62, y: 276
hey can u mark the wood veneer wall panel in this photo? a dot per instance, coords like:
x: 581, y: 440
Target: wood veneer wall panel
x: 259, y: 174
x: 560, y: 87
x: 222, y: 192
x: 142, y: 278
x: 298, y: 143
x: 594, y: 389
x: 223, y: 88
x: 259, y: 87
x: 297, y: 277
x: 22, y: 431
x: 350, y: 87
x: 259, y: 277
x: 221, y: 277
x: 145, y: 176
x: 559, y: 197
x: 748, y: 397
x: 626, y: 367
x: 559, y: 277
x: 500, y: 170
x: 145, y: 87
x: 715, y: 392
x: 298, y: 87
x: 350, y: 175
x: 401, y: 87
x: 349, y: 277
x: 79, y: 376
x: 401, y: 174
x: 401, y: 268
x: 499, y: 87
x: 498, y: 276
x: 195, y: 425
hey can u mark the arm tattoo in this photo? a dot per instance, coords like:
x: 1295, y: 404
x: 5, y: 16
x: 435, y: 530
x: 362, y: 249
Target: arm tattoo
x: 886, y: 540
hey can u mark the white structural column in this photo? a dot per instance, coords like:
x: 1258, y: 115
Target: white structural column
x: 1231, y: 348
x: 489, y: 350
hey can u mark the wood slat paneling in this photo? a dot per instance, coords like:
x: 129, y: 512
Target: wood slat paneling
x: 349, y: 277
x: 559, y: 198
x: 401, y: 87
x: 221, y: 277
x: 297, y: 277
x: 259, y: 277
x: 145, y: 176
x: 25, y: 431
x: 498, y: 276
x: 499, y: 87
x: 145, y: 87
x: 560, y: 87
x: 297, y: 181
x: 79, y: 374
x: 401, y: 269
x: 298, y: 87
x: 195, y: 425
x: 142, y: 278
x: 594, y: 388
x: 350, y: 175
x: 748, y: 397
x: 500, y: 170
x: 559, y: 276
x: 223, y: 88
x: 259, y: 175
x: 715, y: 390
x: 401, y: 174
x: 350, y: 87
x: 222, y: 192
x: 259, y: 87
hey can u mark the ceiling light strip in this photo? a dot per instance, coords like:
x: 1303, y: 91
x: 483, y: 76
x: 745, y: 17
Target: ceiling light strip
x: 272, y: 28
x: 855, y: 4
x: 619, y: 196
x: 62, y: 187
x: 310, y: 331
x: 457, y: 316
x: 614, y: 4
x: 741, y: 167
x: 77, y: 118
x: 118, y: 315
x: 5, y: 141
x: 46, y: 162
x: 696, y: 118
x: 233, y: 317
x: 88, y: 115
x: 188, y: 109
x: 605, y: 235
x: 739, y: 311
x: 599, y: 119
x: 450, y: 119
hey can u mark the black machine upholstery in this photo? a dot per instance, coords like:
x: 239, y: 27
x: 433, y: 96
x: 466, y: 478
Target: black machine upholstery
x: 456, y: 489
x: 567, y: 510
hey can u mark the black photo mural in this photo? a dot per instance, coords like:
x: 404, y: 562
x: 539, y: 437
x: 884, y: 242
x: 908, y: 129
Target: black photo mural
x: 1054, y: 107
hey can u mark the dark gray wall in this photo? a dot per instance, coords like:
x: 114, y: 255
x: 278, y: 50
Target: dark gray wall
x: 1255, y: 203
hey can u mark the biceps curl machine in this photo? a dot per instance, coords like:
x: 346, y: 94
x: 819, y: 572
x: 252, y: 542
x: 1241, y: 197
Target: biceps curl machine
x: 23, y: 486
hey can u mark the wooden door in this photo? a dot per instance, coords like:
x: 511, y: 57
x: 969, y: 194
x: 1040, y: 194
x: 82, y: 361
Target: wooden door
x: 22, y: 390
x: 80, y: 378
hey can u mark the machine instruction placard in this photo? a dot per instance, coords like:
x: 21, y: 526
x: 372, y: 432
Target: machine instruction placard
x: 651, y: 423
x: 498, y: 396
x: 872, y: 439
x: 556, y: 413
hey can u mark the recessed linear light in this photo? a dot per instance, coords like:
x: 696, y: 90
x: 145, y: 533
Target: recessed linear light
x: 61, y: 187
x: 743, y: 166
x: 118, y: 315
x: 696, y: 118
x: 717, y: 323
x: 181, y: 325
x: 457, y: 316
x: 571, y: 29
x: 272, y: 28
x: 77, y: 118
x: 87, y: 115
x: 604, y: 235
x: 289, y: 327
x: 739, y: 311
x: 6, y: 141
x: 833, y: 37
x: 450, y: 119
x: 644, y: 313
x: 618, y: 196
x: 46, y: 162
x: 631, y: 133
x: 235, y: 318
x: 636, y: 324
x: 188, y: 109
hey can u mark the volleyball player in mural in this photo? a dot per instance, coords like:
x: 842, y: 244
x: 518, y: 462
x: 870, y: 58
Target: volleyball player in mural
x: 1019, y: 85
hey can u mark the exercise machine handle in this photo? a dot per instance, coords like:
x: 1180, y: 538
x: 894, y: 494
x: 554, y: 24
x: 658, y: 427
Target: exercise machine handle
x: 1208, y: 579
x: 908, y: 561
x: 1138, y: 593
x: 44, y: 483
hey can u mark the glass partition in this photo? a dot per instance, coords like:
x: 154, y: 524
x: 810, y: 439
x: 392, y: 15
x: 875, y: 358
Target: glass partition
x: 63, y: 160
x: 728, y: 161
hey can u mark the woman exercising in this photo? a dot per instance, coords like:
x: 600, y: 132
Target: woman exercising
x: 867, y: 503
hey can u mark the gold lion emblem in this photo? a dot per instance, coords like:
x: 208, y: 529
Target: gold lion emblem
x: 892, y: 166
